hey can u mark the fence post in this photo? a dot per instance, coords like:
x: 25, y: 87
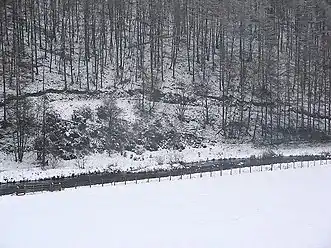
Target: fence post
x: 102, y: 181
x: 221, y: 172
x: 170, y: 178
x: 190, y: 175
x: 136, y: 181
x: 181, y: 176
x: 231, y: 171
x: 60, y: 186
x: 200, y: 174
x: 301, y: 164
x: 250, y: 168
x: 159, y: 178
x: 211, y: 174
x: 148, y: 180
x: 75, y: 185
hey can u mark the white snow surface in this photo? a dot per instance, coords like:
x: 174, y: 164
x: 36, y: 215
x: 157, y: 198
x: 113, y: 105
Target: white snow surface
x: 279, y: 209
x: 130, y: 161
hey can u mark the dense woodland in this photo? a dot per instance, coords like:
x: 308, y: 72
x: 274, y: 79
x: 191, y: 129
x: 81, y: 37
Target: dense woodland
x: 258, y: 70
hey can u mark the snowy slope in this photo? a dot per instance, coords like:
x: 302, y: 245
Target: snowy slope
x: 283, y: 209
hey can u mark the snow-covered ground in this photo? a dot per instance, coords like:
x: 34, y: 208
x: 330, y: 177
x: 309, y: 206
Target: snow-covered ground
x: 280, y: 209
x: 10, y: 170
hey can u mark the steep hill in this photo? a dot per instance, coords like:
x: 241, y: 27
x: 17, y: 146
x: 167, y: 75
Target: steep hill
x: 82, y: 77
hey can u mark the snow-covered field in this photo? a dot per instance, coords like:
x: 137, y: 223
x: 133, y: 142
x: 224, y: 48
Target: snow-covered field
x: 280, y: 209
x: 10, y: 170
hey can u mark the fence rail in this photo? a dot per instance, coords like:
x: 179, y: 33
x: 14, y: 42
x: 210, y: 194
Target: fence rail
x: 188, y: 169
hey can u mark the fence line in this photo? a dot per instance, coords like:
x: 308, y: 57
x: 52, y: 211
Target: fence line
x: 147, y: 177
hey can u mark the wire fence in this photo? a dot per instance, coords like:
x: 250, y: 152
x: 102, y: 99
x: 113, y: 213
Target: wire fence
x: 214, y: 168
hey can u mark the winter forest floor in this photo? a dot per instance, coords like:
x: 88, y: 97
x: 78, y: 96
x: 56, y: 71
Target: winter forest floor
x: 135, y: 85
x: 279, y: 209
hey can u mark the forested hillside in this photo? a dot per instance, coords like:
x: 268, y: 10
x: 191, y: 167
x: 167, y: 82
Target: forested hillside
x: 89, y: 76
